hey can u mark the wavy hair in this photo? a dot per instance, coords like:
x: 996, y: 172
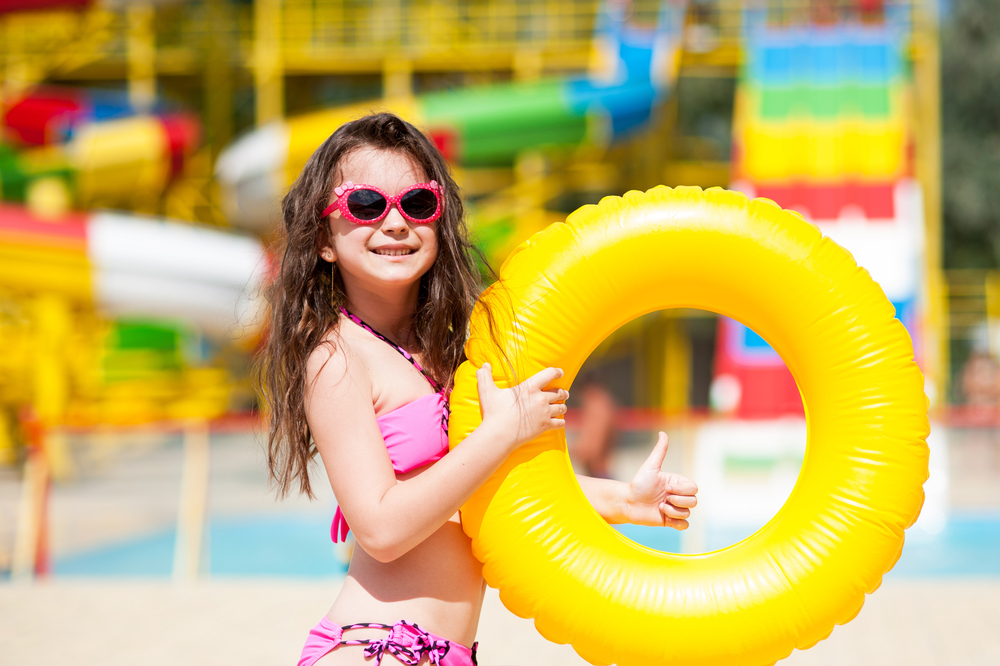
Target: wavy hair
x: 305, y: 297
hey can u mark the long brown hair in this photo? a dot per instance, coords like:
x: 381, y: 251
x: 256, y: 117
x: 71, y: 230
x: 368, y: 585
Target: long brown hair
x: 305, y: 297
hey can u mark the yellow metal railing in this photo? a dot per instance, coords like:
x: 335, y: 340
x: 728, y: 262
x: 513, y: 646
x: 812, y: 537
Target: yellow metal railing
x: 973, y: 304
x: 345, y: 34
x: 360, y: 35
x: 433, y: 25
x: 315, y: 35
x: 972, y: 316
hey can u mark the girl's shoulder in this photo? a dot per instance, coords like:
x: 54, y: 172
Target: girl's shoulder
x: 337, y: 356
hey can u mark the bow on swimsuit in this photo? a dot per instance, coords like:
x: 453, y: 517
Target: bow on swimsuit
x: 406, y: 642
x: 415, y: 434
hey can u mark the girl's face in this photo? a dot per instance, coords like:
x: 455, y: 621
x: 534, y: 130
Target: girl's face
x: 390, y: 253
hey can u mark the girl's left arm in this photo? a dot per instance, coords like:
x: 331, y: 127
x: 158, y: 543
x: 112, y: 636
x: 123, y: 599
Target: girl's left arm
x: 652, y: 497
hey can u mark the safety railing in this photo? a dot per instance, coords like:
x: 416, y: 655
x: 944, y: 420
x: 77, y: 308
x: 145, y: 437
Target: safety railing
x: 973, y: 303
x: 351, y: 35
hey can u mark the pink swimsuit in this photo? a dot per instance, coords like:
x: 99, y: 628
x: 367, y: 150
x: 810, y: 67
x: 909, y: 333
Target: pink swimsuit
x: 415, y: 434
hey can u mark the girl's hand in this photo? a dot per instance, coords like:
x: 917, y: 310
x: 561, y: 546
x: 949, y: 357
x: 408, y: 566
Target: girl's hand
x: 659, y: 498
x: 524, y: 412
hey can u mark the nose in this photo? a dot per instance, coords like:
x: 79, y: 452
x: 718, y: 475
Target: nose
x: 394, y: 223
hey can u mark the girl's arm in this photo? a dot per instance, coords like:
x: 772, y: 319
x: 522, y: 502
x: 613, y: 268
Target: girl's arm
x: 607, y: 496
x: 652, y: 497
x: 389, y: 517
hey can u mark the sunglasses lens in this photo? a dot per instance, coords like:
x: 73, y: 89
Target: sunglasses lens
x: 419, y: 204
x: 366, y: 204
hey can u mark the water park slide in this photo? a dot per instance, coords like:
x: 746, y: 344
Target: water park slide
x: 94, y: 143
x: 122, y: 316
x: 130, y: 265
x: 479, y: 125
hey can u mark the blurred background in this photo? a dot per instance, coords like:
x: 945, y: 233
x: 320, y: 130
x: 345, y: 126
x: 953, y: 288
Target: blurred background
x: 145, y: 148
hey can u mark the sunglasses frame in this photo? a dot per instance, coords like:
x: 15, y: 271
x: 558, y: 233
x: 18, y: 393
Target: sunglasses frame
x: 344, y: 191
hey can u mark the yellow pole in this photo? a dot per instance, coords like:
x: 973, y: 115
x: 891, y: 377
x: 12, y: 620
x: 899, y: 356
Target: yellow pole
x: 141, y: 55
x: 268, y: 74
x: 532, y: 189
x: 193, y: 502
x: 528, y: 64
x: 53, y: 322
x: 693, y: 539
x: 218, y: 78
x: 397, y: 78
x: 30, y: 554
x: 677, y: 371
x: 7, y: 83
x: 993, y: 310
x: 18, y: 71
x: 30, y: 518
x: 8, y: 453
x: 927, y: 65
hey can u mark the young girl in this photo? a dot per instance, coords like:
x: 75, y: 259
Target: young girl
x: 369, y: 315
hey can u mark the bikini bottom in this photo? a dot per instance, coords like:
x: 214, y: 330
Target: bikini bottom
x: 406, y: 642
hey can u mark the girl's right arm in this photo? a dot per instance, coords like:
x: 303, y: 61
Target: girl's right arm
x: 390, y: 517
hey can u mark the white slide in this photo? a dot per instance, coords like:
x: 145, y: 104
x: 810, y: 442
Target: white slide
x: 160, y: 268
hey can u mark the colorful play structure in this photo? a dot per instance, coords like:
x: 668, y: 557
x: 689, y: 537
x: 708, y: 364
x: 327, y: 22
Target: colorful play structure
x: 834, y: 117
x: 112, y: 318
x: 824, y: 125
x: 111, y: 294
x: 485, y: 126
x: 196, y: 116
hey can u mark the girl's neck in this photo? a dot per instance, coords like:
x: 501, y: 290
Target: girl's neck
x: 390, y: 313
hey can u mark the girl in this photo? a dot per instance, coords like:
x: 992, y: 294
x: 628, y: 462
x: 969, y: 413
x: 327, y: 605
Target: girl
x: 369, y: 315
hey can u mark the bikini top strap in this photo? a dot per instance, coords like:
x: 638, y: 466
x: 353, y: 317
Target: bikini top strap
x: 405, y: 354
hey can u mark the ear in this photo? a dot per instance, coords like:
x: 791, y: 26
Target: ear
x: 324, y: 245
x: 328, y: 254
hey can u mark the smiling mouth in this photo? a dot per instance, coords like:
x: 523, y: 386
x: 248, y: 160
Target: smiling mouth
x: 394, y: 253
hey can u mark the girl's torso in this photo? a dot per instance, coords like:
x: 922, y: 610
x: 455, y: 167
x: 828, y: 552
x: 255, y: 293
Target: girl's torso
x: 437, y: 585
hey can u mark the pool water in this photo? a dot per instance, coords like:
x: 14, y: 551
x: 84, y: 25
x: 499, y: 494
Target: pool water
x: 968, y: 545
x: 284, y: 545
x: 300, y: 546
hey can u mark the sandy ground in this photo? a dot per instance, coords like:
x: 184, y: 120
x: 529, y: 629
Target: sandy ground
x: 940, y: 623
x: 122, y: 488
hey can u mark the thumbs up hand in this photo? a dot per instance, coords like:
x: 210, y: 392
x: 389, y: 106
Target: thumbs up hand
x: 654, y: 497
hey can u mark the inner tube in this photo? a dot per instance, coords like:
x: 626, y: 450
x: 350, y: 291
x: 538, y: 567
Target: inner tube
x: 555, y: 560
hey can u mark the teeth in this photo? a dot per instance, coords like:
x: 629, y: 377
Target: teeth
x: 393, y: 253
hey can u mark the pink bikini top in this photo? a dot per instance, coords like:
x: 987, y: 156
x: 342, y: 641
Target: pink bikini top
x: 415, y: 434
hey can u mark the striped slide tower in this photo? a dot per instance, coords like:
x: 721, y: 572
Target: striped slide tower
x: 824, y: 126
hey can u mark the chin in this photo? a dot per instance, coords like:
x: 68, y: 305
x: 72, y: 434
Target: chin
x: 399, y: 276
x: 399, y: 272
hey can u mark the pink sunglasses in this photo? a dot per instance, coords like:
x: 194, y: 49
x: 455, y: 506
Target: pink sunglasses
x: 367, y: 204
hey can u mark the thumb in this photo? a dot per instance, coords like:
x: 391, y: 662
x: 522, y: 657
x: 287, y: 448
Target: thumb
x: 484, y: 379
x: 659, y: 452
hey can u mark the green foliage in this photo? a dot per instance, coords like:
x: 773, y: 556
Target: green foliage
x: 705, y: 115
x: 970, y: 118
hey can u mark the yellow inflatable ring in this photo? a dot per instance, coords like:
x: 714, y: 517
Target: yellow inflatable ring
x: 555, y: 560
